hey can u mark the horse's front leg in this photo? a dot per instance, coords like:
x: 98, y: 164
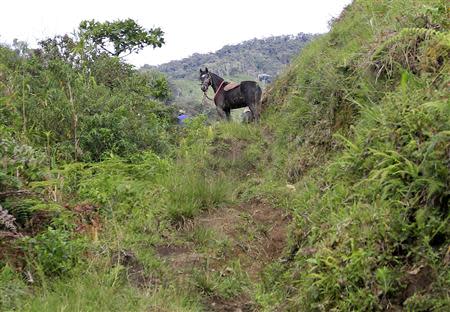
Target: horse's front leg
x: 221, y: 112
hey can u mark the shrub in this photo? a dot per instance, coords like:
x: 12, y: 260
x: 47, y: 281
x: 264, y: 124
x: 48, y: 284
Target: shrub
x: 54, y: 252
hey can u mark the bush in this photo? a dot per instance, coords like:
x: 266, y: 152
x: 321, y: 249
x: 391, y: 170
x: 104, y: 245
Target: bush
x: 85, y: 110
x: 54, y: 252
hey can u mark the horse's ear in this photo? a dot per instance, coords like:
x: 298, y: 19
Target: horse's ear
x: 206, y: 69
x: 201, y: 71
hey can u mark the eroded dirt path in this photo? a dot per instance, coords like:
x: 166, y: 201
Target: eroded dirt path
x: 231, y: 244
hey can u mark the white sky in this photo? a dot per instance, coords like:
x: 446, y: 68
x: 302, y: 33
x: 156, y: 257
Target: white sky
x: 189, y: 26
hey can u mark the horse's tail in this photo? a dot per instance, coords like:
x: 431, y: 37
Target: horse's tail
x: 258, y: 95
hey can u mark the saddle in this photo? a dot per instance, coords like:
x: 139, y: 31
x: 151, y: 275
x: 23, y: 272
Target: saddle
x: 231, y: 86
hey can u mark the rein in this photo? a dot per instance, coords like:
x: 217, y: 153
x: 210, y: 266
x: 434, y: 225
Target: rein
x: 206, y: 96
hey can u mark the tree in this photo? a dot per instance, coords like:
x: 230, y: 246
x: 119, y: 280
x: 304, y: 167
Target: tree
x: 159, y: 85
x: 118, y: 37
x: 20, y: 47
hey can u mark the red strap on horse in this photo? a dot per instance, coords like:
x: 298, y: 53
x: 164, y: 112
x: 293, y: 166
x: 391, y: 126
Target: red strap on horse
x: 218, y: 90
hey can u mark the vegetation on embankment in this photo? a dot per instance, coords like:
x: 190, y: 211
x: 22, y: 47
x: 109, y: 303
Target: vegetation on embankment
x: 361, y: 126
x: 353, y: 146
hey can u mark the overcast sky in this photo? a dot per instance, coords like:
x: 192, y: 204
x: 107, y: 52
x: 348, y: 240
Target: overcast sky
x: 190, y: 26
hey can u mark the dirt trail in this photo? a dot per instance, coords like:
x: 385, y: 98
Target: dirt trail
x: 252, y: 234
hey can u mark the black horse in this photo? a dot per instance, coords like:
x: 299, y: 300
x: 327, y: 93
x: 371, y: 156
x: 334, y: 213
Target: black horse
x: 228, y: 96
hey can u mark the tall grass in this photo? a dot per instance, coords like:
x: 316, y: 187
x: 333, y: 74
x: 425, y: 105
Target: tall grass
x: 189, y: 193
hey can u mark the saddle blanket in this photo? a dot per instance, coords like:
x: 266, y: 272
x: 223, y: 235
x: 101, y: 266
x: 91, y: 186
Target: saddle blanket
x: 231, y: 86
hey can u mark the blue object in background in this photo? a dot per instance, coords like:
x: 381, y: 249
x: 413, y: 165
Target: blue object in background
x: 181, y: 119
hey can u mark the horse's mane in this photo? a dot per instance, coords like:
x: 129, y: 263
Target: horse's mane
x: 216, y: 76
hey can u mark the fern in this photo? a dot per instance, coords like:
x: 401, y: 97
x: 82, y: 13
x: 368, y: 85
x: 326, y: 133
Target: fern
x: 7, y: 220
x: 414, y: 49
x: 407, y: 34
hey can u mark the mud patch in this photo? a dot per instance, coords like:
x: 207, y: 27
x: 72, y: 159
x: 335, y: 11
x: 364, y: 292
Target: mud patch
x: 170, y: 250
x: 257, y: 233
x: 181, y: 258
x: 134, y: 268
x: 417, y: 280
x: 239, y: 304
x: 250, y: 235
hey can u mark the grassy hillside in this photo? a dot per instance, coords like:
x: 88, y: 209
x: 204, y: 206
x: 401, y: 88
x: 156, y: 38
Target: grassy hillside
x: 336, y: 201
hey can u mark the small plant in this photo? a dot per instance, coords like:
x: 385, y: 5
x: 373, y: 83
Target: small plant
x: 386, y: 279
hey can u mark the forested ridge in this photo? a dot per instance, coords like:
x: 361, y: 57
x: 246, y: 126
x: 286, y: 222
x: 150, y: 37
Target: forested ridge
x: 250, y: 58
x: 337, y: 199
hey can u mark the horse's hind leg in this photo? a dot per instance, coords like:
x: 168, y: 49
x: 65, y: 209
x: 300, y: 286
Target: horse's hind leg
x: 228, y: 114
x: 258, y: 95
x: 254, y: 107
x: 254, y: 110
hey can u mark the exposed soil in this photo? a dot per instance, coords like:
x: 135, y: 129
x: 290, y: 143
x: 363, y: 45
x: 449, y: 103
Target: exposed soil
x: 239, y: 304
x: 136, y: 274
x: 256, y: 235
x: 11, y: 252
x: 181, y: 258
x: 38, y: 222
x: 417, y: 280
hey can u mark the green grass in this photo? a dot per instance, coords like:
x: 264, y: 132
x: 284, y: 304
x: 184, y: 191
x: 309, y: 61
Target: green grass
x: 190, y: 193
x: 133, y: 204
x: 100, y: 290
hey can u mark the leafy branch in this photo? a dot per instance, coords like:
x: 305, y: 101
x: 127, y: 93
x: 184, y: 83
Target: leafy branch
x: 118, y: 37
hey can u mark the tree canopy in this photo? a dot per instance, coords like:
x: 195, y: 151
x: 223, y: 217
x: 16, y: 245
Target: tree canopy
x: 120, y: 36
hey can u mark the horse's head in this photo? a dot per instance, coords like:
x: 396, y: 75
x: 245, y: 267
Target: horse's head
x: 205, y: 79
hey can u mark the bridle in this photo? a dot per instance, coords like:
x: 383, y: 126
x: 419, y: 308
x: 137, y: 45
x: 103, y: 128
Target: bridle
x: 208, y: 82
x: 205, y: 84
